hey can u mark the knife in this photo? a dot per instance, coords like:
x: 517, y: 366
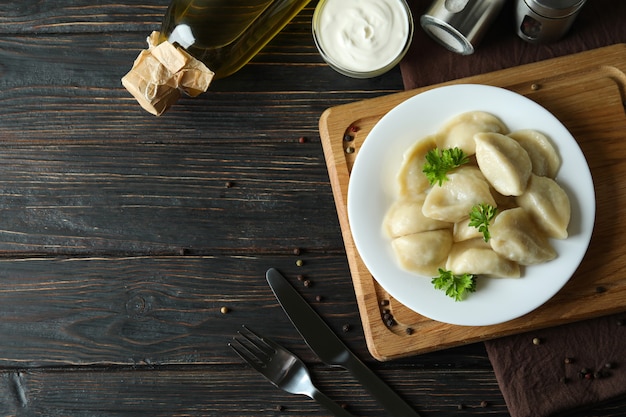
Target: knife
x: 329, y: 348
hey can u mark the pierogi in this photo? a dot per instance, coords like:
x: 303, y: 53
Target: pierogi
x: 429, y: 225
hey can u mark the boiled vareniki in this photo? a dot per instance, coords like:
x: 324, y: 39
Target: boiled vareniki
x: 477, y: 257
x: 548, y: 205
x: 411, y: 179
x: 504, y: 162
x: 545, y: 159
x: 515, y: 236
x: 423, y: 253
x: 454, y: 199
x: 405, y: 217
x: 459, y: 132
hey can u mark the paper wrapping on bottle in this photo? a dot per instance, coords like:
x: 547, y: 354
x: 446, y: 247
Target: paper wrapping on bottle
x: 161, y: 72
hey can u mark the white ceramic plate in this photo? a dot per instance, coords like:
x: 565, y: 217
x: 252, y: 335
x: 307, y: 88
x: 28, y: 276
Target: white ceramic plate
x: 372, y: 190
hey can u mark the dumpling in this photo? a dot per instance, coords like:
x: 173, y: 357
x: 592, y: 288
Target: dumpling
x: 405, y: 217
x: 454, y: 199
x: 459, y: 131
x: 548, y: 205
x: 411, y: 178
x: 463, y: 231
x: 476, y: 257
x: 504, y: 162
x: 423, y: 253
x: 545, y: 159
x: 515, y: 236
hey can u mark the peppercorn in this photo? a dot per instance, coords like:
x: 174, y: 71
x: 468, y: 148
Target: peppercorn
x: 536, y: 341
x: 224, y: 310
x: 569, y: 360
x: 302, y: 139
x: 348, y: 138
x: 228, y: 184
x: 318, y: 298
x: 346, y: 328
x: 349, y: 150
x: 307, y: 283
x: 409, y: 331
x: 296, y: 251
x: 299, y: 262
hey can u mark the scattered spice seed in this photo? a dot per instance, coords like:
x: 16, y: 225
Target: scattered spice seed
x: 318, y: 298
x: 354, y: 128
x: 280, y: 408
x: 228, y: 184
x: 569, y: 360
x: 346, y: 328
x: 460, y: 407
x: 302, y: 139
x: 348, y: 138
x: 349, y: 150
x: 300, y: 277
x: 409, y: 331
x: 307, y: 283
x: 296, y: 251
x: 536, y: 341
x: 484, y: 404
x: 609, y: 365
x: 299, y: 262
x: 224, y: 310
x: 535, y: 87
x: 384, y: 303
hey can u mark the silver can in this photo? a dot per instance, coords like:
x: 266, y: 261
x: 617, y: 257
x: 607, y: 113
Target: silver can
x: 459, y: 25
x: 542, y: 21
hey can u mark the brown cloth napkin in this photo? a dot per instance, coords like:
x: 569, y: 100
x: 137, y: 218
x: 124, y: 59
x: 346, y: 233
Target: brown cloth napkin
x: 560, y: 369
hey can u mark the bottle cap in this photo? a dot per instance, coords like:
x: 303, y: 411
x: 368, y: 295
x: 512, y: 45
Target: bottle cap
x: 161, y: 72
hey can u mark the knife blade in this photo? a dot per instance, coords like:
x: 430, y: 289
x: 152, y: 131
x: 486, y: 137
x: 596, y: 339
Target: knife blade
x: 329, y: 348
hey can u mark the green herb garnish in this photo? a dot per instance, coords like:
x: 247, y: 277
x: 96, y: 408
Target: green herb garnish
x: 480, y: 217
x: 455, y: 286
x: 439, y: 163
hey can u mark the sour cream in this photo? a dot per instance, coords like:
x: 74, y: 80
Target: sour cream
x: 362, y: 38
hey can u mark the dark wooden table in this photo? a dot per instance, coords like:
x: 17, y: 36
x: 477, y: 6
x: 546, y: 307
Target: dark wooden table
x: 123, y: 236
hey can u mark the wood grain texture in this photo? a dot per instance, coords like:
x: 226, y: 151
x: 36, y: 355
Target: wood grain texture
x: 122, y: 235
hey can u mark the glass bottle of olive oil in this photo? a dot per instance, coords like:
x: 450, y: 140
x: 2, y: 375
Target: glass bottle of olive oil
x: 200, y: 40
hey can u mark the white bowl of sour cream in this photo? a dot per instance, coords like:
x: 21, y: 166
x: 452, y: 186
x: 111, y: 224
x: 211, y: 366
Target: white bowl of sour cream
x: 362, y: 38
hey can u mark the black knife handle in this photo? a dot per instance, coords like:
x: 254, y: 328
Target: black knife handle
x: 391, y: 401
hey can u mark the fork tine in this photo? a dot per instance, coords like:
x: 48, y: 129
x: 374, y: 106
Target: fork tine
x: 247, y: 355
x: 261, y: 343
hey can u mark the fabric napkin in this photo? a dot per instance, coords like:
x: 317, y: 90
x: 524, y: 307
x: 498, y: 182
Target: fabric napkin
x: 551, y: 371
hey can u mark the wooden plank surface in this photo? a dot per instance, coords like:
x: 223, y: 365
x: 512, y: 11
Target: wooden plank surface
x: 122, y: 235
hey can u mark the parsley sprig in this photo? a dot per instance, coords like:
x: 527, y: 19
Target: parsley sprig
x: 480, y: 218
x: 455, y: 286
x: 440, y: 162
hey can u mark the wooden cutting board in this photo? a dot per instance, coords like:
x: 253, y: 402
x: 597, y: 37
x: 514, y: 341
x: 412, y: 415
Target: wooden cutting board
x: 587, y: 93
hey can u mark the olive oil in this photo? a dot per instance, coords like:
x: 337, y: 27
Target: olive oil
x: 226, y: 34
x: 200, y: 40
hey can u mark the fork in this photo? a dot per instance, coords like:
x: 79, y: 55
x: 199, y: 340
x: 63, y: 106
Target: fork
x: 281, y: 367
